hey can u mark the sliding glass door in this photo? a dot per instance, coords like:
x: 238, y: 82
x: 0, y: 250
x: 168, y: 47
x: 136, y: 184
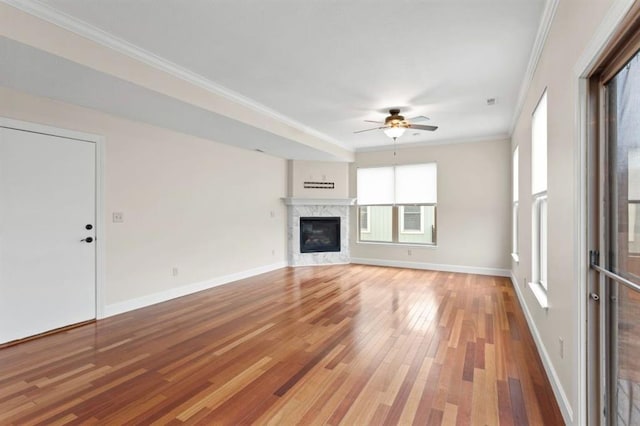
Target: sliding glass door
x: 616, y: 262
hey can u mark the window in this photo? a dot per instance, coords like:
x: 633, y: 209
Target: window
x: 399, y: 203
x: 514, y: 205
x: 365, y: 212
x: 539, y: 199
x: 411, y: 220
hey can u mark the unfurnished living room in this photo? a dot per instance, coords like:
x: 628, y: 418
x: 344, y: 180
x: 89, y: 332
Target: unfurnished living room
x: 280, y: 212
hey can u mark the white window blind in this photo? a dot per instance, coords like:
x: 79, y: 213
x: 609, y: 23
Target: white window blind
x: 515, y: 179
x: 539, y: 147
x: 416, y: 184
x: 410, y: 184
x: 375, y: 186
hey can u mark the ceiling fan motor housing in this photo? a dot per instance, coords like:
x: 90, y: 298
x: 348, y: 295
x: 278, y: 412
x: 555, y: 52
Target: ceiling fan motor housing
x: 395, y: 119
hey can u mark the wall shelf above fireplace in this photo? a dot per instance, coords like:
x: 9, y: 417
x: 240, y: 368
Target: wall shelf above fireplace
x: 295, y: 201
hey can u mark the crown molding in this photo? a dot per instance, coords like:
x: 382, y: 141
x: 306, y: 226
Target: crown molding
x: 538, y: 45
x: 104, y: 38
x: 452, y: 141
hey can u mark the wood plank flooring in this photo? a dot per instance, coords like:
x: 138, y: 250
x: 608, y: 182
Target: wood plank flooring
x: 350, y: 344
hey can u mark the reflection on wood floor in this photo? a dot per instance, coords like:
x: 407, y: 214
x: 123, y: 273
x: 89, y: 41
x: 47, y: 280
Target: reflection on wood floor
x: 346, y: 344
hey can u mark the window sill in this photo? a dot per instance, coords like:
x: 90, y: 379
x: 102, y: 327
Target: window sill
x: 382, y: 243
x: 515, y: 257
x: 541, y: 294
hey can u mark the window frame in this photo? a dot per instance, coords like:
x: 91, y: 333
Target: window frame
x: 540, y: 240
x: 539, y: 284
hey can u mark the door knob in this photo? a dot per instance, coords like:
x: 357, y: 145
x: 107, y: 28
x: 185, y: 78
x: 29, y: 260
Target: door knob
x: 88, y: 226
x: 87, y: 240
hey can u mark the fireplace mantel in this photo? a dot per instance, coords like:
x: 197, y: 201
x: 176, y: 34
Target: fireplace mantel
x: 296, y: 201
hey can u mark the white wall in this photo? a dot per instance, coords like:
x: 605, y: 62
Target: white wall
x: 473, y: 207
x: 318, y: 171
x: 203, y: 207
x: 574, y: 25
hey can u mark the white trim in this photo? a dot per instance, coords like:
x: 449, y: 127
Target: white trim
x: 556, y: 385
x: 48, y: 130
x: 101, y: 222
x: 399, y: 146
x: 294, y: 201
x: 580, y: 243
x: 602, y: 37
x: 163, y: 296
x: 540, y: 293
x: 479, y: 270
x: 392, y: 244
x: 99, y: 141
x: 582, y: 69
x: 536, y: 52
x: 104, y: 38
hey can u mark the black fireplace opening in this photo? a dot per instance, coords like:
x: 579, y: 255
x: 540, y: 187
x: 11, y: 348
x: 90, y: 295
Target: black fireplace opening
x: 319, y: 234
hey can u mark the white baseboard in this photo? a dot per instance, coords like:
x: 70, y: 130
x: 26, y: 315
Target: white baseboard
x: 163, y: 296
x: 434, y: 266
x: 558, y: 390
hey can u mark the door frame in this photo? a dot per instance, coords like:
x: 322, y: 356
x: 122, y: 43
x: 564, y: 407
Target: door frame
x: 612, y: 26
x: 100, y: 233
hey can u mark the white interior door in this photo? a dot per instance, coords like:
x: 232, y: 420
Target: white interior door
x: 47, y: 202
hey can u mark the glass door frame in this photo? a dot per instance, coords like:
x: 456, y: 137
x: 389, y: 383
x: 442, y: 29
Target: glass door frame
x: 602, y: 290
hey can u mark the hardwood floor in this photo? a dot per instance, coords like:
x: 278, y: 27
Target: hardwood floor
x: 348, y: 344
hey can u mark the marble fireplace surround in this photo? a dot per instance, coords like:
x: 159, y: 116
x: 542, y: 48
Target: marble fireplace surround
x: 317, y: 207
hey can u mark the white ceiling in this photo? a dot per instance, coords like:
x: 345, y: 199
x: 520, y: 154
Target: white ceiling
x: 330, y: 64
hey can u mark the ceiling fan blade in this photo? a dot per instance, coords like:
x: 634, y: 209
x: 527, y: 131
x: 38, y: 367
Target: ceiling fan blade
x: 367, y: 130
x: 371, y: 121
x: 423, y: 127
x: 418, y: 118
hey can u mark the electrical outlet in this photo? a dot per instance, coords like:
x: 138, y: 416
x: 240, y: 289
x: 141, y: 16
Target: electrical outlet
x: 561, y: 342
x: 174, y: 271
x: 409, y: 252
x: 272, y: 213
x: 273, y: 252
x: 118, y: 217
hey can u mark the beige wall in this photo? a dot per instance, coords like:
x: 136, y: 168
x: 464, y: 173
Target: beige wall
x: 574, y: 25
x: 473, y: 205
x: 318, y: 171
x: 203, y: 207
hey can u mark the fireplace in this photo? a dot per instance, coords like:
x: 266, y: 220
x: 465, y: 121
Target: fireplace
x: 319, y: 234
x: 299, y: 210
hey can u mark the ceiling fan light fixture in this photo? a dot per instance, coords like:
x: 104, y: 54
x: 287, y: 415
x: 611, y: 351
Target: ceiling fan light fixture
x: 394, y: 132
